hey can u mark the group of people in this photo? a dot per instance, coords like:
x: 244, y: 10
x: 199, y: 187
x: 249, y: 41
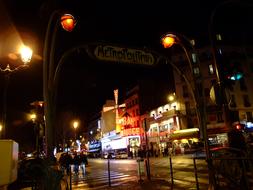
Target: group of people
x: 66, y: 160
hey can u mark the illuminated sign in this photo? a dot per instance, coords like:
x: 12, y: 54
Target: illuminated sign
x: 158, y: 116
x: 118, y: 54
x: 131, y: 131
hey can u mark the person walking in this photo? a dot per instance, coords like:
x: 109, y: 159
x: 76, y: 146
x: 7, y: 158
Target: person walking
x: 83, y: 161
x: 76, y: 162
x: 65, y: 162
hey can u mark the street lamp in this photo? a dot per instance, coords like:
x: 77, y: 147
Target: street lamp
x: 33, y: 117
x: 25, y: 55
x: 167, y: 41
x: 171, y: 97
x: 75, y: 126
x: 67, y: 21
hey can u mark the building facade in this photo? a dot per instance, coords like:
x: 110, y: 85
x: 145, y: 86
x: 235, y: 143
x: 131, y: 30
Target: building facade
x: 238, y: 92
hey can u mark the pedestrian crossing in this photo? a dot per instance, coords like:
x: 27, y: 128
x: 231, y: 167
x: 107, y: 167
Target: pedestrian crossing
x: 99, y: 179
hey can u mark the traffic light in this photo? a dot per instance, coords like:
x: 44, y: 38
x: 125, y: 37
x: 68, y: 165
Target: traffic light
x: 234, y: 71
x: 239, y: 127
x: 229, y: 71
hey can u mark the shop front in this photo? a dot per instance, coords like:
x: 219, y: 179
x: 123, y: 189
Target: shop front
x: 127, y: 144
x: 185, y: 141
x: 217, y: 135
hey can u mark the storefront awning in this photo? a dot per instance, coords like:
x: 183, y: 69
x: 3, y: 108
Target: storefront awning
x: 185, y: 134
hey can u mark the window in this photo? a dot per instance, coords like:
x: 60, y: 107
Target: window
x: 246, y: 101
x: 210, y: 69
x: 137, y: 112
x: 196, y: 71
x: 232, y: 101
x: 213, y: 82
x: 243, y: 85
x: 185, y: 91
x: 218, y: 37
x: 187, y: 107
x: 182, y: 79
x: 194, y: 58
x: 200, y: 88
x: 219, y: 117
x: 207, y: 92
x: 249, y: 116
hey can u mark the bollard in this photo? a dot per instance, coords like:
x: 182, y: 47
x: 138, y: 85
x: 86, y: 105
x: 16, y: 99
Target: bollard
x: 109, y: 175
x: 70, y: 178
x: 147, y: 168
x: 140, y: 169
x: 196, y: 174
x: 171, y: 173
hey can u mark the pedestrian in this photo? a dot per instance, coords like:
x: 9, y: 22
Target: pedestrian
x: 83, y: 161
x: 76, y: 162
x: 62, y: 162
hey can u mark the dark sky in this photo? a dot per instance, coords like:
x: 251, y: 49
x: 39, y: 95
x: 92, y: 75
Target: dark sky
x: 128, y: 23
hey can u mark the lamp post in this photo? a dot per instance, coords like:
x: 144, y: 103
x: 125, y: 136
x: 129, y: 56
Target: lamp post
x: 38, y: 120
x: 25, y: 55
x: 168, y: 40
x: 68, y: 22
x: 33, y: 117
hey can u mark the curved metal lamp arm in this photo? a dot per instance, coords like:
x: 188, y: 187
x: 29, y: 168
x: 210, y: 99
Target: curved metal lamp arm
x: 8, y: 70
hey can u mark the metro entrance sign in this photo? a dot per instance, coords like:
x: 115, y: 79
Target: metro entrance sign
x: 124, y: 55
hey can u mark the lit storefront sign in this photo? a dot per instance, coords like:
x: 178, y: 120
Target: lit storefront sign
x: 131, y: 131
x: 114, y: 144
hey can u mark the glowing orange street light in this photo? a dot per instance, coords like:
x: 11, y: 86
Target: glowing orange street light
x: 68, y: 22
x: 168, y: 40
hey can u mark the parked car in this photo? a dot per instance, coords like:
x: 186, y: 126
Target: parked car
x: 122, y: 155
x: 109, y: 156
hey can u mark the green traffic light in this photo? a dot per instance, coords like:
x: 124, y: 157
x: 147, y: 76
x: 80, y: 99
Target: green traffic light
x: 236, y: 76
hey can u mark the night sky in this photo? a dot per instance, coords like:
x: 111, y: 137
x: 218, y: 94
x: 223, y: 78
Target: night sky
x: 136, y: 24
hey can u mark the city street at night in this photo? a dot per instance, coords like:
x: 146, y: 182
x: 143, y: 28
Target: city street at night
x: 126, y: 95
x: 124, y: 174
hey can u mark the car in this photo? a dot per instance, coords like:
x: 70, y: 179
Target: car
x: 122, y: 155
x: 109, y: 156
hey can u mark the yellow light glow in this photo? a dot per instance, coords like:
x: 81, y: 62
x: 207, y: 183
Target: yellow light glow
x: 171, y: 97
x: 26, y: 54
x: 33, y: 116
x: 1, y: 127
x: 184, y: 141
x: 75, y: 124
x: 168, y: 41
x: 186, y: 130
